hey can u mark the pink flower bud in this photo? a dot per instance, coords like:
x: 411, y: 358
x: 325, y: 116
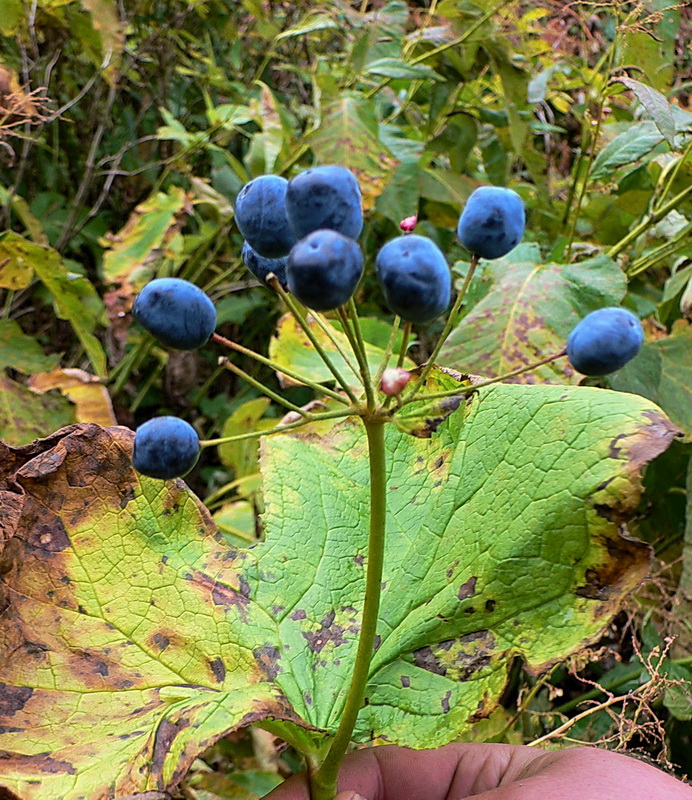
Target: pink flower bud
x: 394, y: 381
x: 408, y: 225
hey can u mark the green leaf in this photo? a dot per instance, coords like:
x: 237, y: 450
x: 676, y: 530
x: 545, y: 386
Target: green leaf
x: 656, y: 105
x: 396, y: 68
x: 21, y: 352
x: 16, y: 270
x: 528, y: 312
x: 310, y: 24
x: 151, y: 225
x: 25, y: 415
x: 291, y: 348
x: 242, y: 456
x: 662, y: 372
x: 139, y: 637
x: 65, y: 288
x: 637, y: 141
x: 348, y: 135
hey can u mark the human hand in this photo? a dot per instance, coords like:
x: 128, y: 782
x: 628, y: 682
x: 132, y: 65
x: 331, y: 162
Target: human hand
x: 494, y: 772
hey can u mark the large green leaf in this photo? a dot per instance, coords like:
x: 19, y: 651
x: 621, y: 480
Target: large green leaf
x: 527, y: 312
x: 138, y: 637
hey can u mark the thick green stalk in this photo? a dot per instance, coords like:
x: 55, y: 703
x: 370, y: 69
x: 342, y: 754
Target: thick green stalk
x: 323, y: 781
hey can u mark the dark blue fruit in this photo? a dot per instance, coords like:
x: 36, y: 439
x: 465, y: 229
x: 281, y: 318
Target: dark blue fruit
x: 260, y: 211
x: 260, y: 266
x: 324, y: 197
x: 604, y: 341
x: 165, y: 447
x: 323, y: 269
x: 415, y: 278
x: 492, y: 222
x: 176, y: 312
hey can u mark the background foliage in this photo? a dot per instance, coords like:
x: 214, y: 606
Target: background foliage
x: 127, y: 129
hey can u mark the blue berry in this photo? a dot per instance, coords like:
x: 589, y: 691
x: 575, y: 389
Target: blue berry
x: 176, y: 312
x: 324, y: 197
x: 415, y: 278
x: 492, y: 222
x: 323, y: 269
x: 604, y: 341
x: 165, y: 447
x: 260, y: 212
x: 260, y: 266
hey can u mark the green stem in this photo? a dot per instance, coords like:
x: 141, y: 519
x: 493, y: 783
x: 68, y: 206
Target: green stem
x: 277, y: 398
x: 329, y: 333
x: 351, y: 323
x: 404, y: 345
x: 387, y: 353
x: 324, y: 780
x: 680, y: 240
x: 278, y: 367
x: 279, y: 428
x: 650, y: 219
x: 295, y: 310
x: 447, y: 330
x: 469, y: 389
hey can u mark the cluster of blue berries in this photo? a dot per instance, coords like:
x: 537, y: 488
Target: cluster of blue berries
x: 303, y: 232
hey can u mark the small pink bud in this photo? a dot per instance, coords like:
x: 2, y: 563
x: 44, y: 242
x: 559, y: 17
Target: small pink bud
x: 408, y: 225
x: 394, y: 381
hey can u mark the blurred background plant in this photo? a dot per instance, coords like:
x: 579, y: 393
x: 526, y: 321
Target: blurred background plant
x: 128, y: 128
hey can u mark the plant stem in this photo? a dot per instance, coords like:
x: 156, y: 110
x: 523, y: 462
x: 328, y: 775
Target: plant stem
x: 277, y: 398
x: 351, y: 323
x: 295, y: 310
x: 329, y: 333
x: 278, y: 368
x: 650, y: 219
x: 447, y: 329
x: 387, y: 353
x: 404, y: 344
x: 489, y: 382
x: 324, y: 780
x: 279, y: 428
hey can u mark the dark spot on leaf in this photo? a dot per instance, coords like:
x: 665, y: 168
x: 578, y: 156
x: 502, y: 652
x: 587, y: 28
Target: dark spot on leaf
x: 299, y: 613
x: 467, y: 589
x: 218, y: 669
x: 470, y: 610
x: 125, y: 685
x: 36, y: 650
x: 276, y: 610
x: 438, y: 463
x: 359, y: 559
x: 268, y: 660
x: 160, y: 640
x: 614, y: 451
x: 65, y: 580
x: 46, y: 531
x: 445, y: 702
x: 13, y: 698
x: 490, y: 605
x: 81, y: 609
x: 405, y: 681
x: 165, y: 735
x: 127, y: 496
x: 376, y: 643
x: 39, y: 762
x: 308, y: 699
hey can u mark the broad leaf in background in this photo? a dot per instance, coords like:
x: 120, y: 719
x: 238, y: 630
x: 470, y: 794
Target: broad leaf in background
x: 348, y: 135
x: 662, y: 372
x: 22, y: 352
x: 151, y: 226
x: 25, y: 415
x: 87, y: 392
x: 291, y: 348
x: 527, y: 313
x: 127, y: 614
x: 64, y: 288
